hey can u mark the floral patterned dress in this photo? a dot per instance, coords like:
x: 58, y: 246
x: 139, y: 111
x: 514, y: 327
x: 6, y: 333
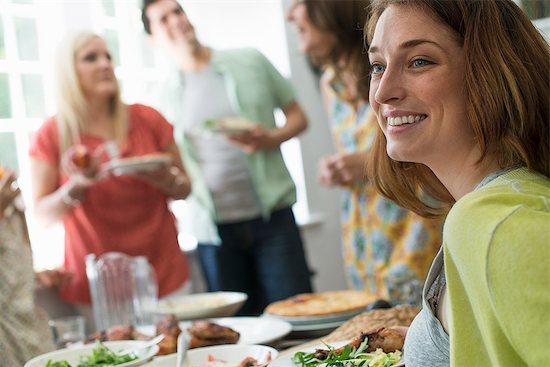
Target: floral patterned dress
x: 24, y: 331
x: 387, y: 249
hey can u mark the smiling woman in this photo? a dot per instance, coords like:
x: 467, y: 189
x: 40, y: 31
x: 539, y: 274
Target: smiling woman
x: 464, y: 118
x: 415, y: 92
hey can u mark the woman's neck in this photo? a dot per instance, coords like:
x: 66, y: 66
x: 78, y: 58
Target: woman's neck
x: 99, y: 121
x: 466, y: 174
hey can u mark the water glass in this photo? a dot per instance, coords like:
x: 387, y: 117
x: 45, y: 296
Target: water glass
x: 67, y: 330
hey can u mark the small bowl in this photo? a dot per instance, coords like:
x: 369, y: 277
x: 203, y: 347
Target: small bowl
x: 232, y: 353
x: 202, y: 305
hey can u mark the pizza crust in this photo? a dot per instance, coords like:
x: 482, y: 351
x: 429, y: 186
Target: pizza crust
x: 320, y: 304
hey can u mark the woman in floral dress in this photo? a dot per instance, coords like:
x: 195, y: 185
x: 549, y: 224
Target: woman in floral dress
x: 387, y: 249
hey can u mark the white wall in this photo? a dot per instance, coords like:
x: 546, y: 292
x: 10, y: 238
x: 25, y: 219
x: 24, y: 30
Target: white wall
x: 322, y: 238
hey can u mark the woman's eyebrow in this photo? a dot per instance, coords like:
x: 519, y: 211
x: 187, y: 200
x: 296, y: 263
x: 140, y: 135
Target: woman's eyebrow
x: 408, y: 44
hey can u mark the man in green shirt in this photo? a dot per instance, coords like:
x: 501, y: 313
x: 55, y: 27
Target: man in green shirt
x: 242, y: 191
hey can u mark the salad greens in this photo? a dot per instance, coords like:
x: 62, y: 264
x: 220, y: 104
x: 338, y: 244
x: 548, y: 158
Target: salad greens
x: 347, y: 357
x: 101, y: 357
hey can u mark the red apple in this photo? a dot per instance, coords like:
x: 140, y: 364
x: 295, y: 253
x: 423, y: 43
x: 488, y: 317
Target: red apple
x: 80, y: 156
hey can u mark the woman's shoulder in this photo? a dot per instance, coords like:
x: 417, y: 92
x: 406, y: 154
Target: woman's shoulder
x: 521, y: 193
x: 144, y: 115
x: 49, y: 125
x: 142, y: 110
x: 48, y: 129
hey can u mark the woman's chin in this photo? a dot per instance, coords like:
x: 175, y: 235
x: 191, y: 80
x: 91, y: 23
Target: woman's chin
x: 397, y: 155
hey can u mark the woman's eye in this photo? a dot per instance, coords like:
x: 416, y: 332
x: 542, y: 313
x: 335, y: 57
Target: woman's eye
x: 90, y: 57
x: 418, y: 63
x: 376, y: 68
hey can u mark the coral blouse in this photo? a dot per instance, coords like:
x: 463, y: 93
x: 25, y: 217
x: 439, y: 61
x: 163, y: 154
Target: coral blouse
x: 121, y: 214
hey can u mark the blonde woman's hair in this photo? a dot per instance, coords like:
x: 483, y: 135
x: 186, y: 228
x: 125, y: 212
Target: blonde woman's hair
x: 506, y: 87
x: 72, y: 106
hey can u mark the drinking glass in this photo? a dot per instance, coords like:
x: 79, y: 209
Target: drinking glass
x: 67, y: 330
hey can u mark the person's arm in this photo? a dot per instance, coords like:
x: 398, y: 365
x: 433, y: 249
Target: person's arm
x: 340, y: 169
x: 52, y: 202
x: 296, y: 123
x: 172, y: 179
x: 518, y: 275
x: 8, y: 192
x: 263, y: 139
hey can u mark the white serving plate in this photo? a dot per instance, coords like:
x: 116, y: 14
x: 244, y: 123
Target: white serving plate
x: 230, y: 125
x: 314, y: 320
x: 253, y: 330
x: 233, y: 354
x: 202, y: 305
x: 72, y: 355
x: 125, y: 166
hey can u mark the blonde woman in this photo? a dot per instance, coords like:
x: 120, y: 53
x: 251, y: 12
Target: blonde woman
x: 102, y: 213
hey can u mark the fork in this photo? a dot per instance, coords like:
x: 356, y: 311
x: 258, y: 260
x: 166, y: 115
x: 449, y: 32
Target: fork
x: 137, y: 351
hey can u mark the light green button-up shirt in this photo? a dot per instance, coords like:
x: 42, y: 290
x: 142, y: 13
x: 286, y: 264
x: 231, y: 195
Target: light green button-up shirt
x: 255, y: 89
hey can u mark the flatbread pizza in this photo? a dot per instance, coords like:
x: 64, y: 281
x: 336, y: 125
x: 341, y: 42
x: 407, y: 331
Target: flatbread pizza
x: 320, y: 304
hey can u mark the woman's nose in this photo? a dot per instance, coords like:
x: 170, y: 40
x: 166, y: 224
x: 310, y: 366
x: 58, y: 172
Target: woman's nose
x: 291, y: 10
x: 389, y: 87
x: 105, y: 62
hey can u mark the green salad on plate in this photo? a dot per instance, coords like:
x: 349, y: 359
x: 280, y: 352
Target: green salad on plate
x: 347, y: 356
x: 101, y: 357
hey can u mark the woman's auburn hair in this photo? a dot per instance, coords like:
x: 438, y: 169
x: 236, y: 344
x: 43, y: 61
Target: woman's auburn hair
x: 72, y: 106
x: 344, y: 20
x: 506, y: 87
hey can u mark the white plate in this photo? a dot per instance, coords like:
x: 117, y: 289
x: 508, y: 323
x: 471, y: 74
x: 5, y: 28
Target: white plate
x: 233, y: 354
x: 317, y: 327
x: 202, y: 305
x: 124, y: 166
x: 229, y: 125
x: 287, y: 362
x: 72, y: 355
x: 253, y: 330
x: 314, y: 320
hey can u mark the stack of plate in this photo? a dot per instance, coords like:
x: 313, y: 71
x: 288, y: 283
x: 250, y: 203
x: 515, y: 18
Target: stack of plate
x: 321, y: 312
x: 316, y: 325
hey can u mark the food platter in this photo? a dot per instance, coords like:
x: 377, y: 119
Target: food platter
x: 201, y: 305
x: 321, y: 304
x: 253, y: 330
x: 72, y: 355
x: 125, y: 166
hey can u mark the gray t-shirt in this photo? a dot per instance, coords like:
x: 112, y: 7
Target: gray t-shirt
x: 223, y: 165
x: 427, y: 343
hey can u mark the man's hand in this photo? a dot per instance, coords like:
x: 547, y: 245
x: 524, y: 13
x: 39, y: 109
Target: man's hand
x: 256, y: 139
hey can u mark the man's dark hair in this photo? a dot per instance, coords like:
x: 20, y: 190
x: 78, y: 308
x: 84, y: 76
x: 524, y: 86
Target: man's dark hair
x: 144, y: 19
